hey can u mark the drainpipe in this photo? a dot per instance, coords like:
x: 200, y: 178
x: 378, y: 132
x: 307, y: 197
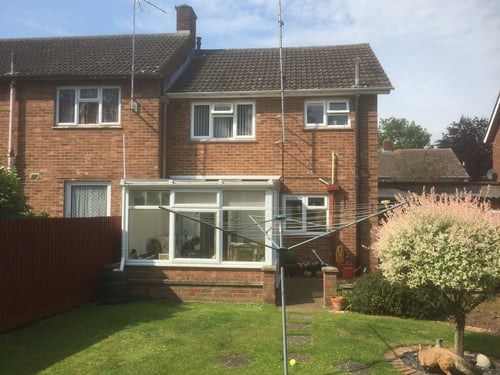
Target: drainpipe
x: 358, y: 179
x: 10, y: 154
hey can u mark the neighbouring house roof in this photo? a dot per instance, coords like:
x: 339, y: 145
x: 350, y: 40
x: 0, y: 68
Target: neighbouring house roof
x: 420, y: 165
x: 308, y: 69
x: 89, y: 56
x: 494, y: 122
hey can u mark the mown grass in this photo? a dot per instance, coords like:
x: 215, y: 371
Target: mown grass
x: 162, y: 338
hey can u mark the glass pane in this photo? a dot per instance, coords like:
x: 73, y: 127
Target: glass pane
x: 244, y: 120
x: 148, y: 236
x: 293, y: 214
x: 316, y: 221
x: 315, y: 113
x: 243, y: 239
x: 337, y: 106
x: 88, y: 113
x: 195, y: 238
x: 153, y: 198
x: 88, y: 200
x: 244, y: 198
x: 316, y: 201
x: 223, y: 127
x: 338, y: 119
x: 223, y: 107
x: 165, y: 198
x: 88, y: 93
x: 137, y: 198
x: 66, y: 110
x: 110, y: 105
x: 201, y: 118
x: 195, y: 198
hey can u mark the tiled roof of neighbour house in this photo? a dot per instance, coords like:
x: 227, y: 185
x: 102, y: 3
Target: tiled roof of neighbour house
x: 89, y: 56
x: 305, y: 68
x: 420, y: 165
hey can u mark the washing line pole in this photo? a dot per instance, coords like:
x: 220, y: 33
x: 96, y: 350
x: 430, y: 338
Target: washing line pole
x: 282, y: 92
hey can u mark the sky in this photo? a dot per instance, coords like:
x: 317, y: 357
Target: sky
x: 442, y: 57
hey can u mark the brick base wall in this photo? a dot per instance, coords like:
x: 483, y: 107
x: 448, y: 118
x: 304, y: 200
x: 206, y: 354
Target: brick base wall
x: 185, y: 284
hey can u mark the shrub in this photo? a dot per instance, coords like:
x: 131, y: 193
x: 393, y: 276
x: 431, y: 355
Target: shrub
x: 374, y: 295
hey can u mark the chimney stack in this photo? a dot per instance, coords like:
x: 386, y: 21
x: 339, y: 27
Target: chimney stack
x: 186, y: 20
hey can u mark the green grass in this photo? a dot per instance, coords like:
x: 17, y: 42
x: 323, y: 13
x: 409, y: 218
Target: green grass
x: 160, y: 338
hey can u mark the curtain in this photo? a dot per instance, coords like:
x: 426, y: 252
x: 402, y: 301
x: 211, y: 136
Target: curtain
x: 66, y: 106
x: 201, y: 120
x: 244, y: 119
x: 88, y: 200
x: 223, y: 127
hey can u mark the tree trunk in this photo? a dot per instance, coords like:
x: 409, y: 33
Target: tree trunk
x: 459, y: 333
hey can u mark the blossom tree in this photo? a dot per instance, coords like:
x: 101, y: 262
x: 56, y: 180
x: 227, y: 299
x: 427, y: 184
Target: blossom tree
x: 448, y: 242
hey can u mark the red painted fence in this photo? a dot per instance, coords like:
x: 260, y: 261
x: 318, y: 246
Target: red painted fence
x: 50, y: 265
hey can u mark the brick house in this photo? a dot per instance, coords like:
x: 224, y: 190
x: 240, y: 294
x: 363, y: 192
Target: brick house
x: 493, y: 138
x: 207, y: 162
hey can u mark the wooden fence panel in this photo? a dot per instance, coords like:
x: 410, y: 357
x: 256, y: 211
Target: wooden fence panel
x: 50, y: 265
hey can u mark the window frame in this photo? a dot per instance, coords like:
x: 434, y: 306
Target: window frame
x: 68, y: 194
x: 78, y: 100
x: 306, y: 208
x: 231, y: 112
x: 325, y: 103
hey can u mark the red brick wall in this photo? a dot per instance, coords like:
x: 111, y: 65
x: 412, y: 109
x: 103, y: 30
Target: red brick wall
x: 496, y: 153
x: 92, y: 154
x: 307, y: 158
x: 201, y: 284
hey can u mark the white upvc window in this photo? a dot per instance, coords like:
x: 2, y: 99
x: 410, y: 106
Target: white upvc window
x: 223, y: 120
x: 327, y: 114
x: 306, y: 213
x: 87, y: 199
x: 88, y: 106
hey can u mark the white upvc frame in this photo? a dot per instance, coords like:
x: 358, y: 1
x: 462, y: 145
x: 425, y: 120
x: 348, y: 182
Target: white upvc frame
x: 67, y: 194
x: 230, y: 112
x: 328, y: 112
x: 307, y: 207
x: 79, y: 100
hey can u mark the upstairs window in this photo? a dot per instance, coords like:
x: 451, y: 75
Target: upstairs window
x: 88, y: 106
x: 223, y: 121
x: 327, y: 114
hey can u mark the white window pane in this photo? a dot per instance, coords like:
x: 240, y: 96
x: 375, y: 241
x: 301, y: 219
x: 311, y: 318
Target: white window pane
x: 223, y: 127
x: 338, y: 119
x: 66, y: 103
x: 195, y: 238
x: 242, y: 238
x: 316, y: 221
x: 88, y: 113
x: 88, y: 200
x: 337, y: 106
x: 244, y: 119
x: 315, y: 113
x: 110, y: 105
x: 316, y: 201
x: 293, y: 214
x: 223, y: 108
x: 148, y: 234
x: 88, y: 93
x: 244, y: 198
x: 195, y: 198
x: 201, y: 118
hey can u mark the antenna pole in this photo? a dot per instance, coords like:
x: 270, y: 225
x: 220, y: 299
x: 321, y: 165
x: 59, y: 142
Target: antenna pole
x: 282, y: 91
x: 132, y: 98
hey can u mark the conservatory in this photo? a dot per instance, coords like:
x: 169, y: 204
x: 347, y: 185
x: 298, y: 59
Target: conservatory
x: 209, y: 221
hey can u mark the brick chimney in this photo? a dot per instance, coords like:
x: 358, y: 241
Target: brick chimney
x: 186, y: 19
x: 387, y: 146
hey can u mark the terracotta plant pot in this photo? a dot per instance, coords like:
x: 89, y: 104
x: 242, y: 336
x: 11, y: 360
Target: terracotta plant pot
x: 338, y: 303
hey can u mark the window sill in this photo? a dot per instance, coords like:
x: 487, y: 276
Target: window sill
x: 331, y: 127
x: 223, y: 140
x: 98, y: 126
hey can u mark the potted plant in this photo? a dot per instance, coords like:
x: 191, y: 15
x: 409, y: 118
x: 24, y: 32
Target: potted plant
x: 341, y: 300
x: 290, y: 261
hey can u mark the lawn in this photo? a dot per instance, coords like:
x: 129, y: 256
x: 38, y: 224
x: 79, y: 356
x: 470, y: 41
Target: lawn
x: 161, y: 338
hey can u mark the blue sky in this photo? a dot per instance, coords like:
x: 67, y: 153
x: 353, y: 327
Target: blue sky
x: 443, y: 57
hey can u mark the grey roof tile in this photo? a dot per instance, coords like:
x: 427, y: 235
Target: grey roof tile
x: 305, y: 68
x: 87, y: 56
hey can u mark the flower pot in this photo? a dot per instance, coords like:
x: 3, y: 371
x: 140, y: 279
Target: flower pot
x: 347, y: 272
x: 338, y: 303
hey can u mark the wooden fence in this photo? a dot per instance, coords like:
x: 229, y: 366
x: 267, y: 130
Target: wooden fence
x: 50, y: 265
